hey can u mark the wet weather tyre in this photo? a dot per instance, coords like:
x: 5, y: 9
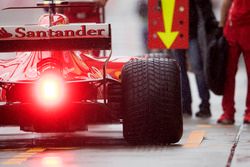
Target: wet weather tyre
x: 151, y: 102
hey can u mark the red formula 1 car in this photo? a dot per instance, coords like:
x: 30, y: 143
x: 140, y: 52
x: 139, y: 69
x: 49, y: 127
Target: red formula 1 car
x: 62, y: 78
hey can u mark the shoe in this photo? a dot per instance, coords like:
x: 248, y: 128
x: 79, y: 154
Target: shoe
x: 204, y: 113
x: 204, y: 110
x: 247, y: 119
x: 226, y: 120
x: 186, y: 114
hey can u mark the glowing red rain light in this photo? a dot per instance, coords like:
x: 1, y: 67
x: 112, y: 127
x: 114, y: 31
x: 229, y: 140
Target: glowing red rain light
x: 50, y: 90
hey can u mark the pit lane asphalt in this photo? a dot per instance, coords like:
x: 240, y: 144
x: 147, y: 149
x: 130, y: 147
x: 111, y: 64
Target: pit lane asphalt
x: 204, y: 143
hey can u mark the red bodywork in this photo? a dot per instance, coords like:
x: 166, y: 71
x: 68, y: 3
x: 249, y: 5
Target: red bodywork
x: 74, y: 65
x: 88, y: 73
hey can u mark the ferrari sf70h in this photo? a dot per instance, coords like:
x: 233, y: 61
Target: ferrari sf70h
x: 62, y: 77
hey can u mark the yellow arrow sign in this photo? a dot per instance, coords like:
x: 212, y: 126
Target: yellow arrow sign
x: 168, y: 37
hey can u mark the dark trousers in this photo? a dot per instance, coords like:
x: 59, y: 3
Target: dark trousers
x: 196, y: 62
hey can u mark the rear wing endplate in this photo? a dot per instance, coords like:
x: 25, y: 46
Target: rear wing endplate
x: 60, y: 37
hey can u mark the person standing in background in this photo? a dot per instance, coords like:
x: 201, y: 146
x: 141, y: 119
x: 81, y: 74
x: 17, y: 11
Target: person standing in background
x: 202, y: 23
x: 235, y: 19
x: 142, y: 8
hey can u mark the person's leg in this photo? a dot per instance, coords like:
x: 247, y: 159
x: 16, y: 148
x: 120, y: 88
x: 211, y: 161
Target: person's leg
x: 179, y: 55
x: 228, y: 98
x: 247, y: 62
x: 196, y: 62
x: 245, y: 45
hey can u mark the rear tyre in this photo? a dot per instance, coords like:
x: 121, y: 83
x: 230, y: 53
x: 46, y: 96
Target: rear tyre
x: 151, y: 102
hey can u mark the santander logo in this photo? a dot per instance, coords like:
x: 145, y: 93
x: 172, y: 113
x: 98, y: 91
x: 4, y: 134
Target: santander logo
x: 59, y: 31
x: 4, y: 33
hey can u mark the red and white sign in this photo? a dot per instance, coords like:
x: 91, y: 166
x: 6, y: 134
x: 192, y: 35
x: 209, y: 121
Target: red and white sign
x: 168, y: 24
x: 54, y: 32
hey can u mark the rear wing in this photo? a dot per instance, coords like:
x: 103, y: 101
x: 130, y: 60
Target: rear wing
x: 88, y: 36
x: 57, y: 2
